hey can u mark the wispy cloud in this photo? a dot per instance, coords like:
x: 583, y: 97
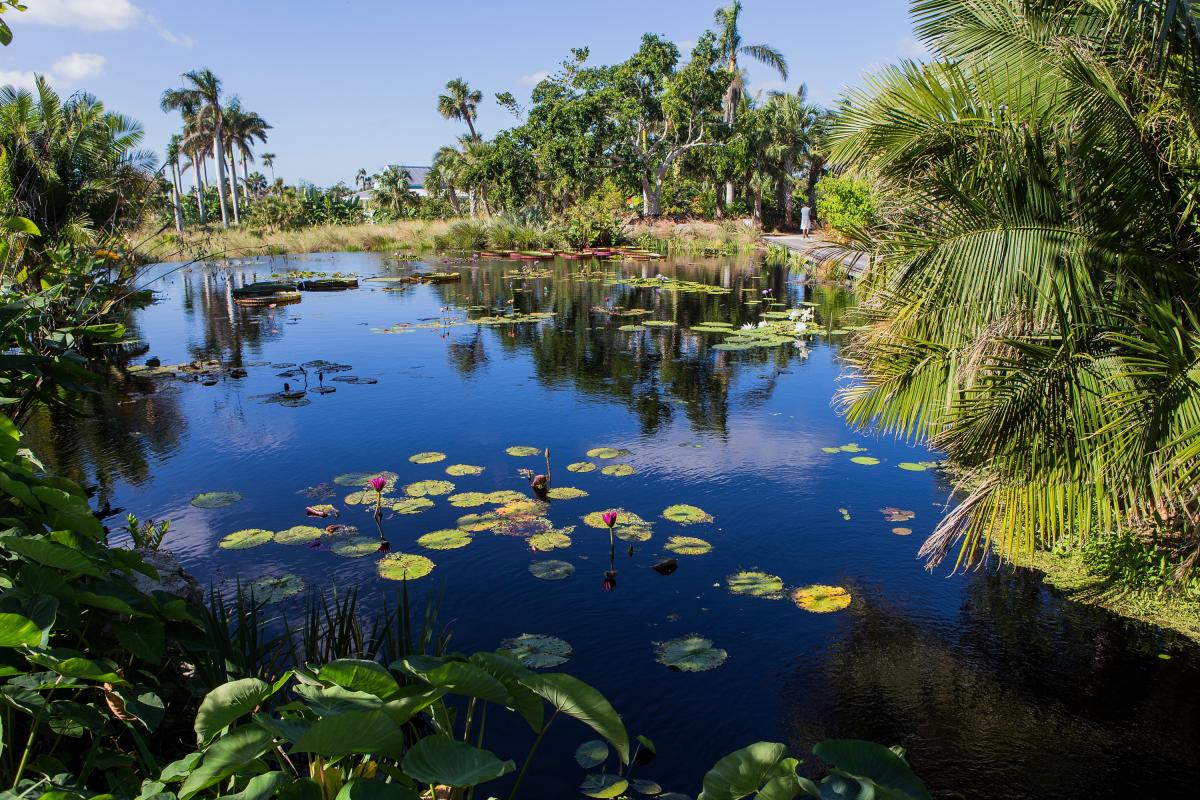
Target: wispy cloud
x: 78, y: 66
x: 97, y: 15
x: 533, y: 79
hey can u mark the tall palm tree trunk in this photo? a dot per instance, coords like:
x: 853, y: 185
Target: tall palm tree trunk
x: 198, y: 166
x: 815, y: 166
x: 219, y: 157
x: 233, y: 188
x: 789, y: 202
x: 175, y: 192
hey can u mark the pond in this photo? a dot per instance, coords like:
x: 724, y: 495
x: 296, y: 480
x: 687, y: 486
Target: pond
x: 997, y: 688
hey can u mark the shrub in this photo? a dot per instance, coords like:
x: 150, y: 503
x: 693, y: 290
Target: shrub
x: 845, y: 204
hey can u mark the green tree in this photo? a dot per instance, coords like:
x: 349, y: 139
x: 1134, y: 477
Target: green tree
x: 243, y: 128
x: 268, y: 161
x: 392, y: 193
x: 794, y: 132
x: 460, y: 102
x: 201, y: 94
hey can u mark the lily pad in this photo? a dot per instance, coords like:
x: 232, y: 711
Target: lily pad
x: 404, y: 566
x: 632, y: 533
x: 537, y: 650
x: 299, y: 534
x: 215, y: 499
x: 691, y: 653
x: 912, y: 466
x: 845, y: 512
x: 686, y: 515
x: 688, y: 546
x: 446, y: 539
x: 565, y: 493
x: 272, y: 589
x: 551, y: 570
x: 355, y: 478
x: 646, y: 787
x: 355, y: 546
x: 596, y: 519
x: 430, y: 457
x: 322, y: 510
x: 412, y: 505
x: 243, y: 540
x: 591, y: 754
x: 852, y: 448
x: 604, y: 786
x: 607, y: 452
x: 831, y: 450
x: 901, y: 531
x: 756, y: 584
x: 479, y: 522
x: 366, y: 497
x: 522, y: 451
x: 821, y: 599
x: 581, y: 466
x: 554, y: 539
x: 618, y: 470
x: 429, y: 488
x: 867, y: 460
x: 458, y: 470
x: 893, y: 514
x: 505, y: 496
x: 659, y: 323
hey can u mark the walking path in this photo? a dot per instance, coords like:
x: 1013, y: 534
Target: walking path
x: 817, y: 248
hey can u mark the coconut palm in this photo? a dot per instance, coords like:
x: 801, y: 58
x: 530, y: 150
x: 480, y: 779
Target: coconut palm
x: 446, y: 177
x: 460, y: 102
x: 392, y: 192
x: 174, y: 147
x: 268, y: 161
x: 202, y: 94
x: 243, y: 128
x: 1038, y: 268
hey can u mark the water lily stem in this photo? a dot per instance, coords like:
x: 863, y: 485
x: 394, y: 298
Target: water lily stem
x: 529, y: 758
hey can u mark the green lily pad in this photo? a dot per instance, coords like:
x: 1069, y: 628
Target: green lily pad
x: 537, y: 650
x: 632, y: 533
x: 845, y: 512
x: 604, y: 786
x: 551, y: 570
x: 631, y: 328
x: 459, y: 470
x: 243, y: 540
x: 355, y: 546
x: 867, y: 460
x: 607, y: 452
x: 591, y: 754
x: 430, y: 457
x: 446, y: 539
x: 596, y: 519
x: 912, y: 466
x: 505, y: 496
x: 686, y: 515
x: 831, y: 450
x: 365, y: 497
x: 565, y: 493
x: 299, y: 534
x: 215, y: 499
x: 756, y: 584
x: 734, y: 346
x: 479, y: 522
x: 692, y: 653
x: 272, y: 589
x: 581, y: 466
x: 412, y: 505
x: 618, y: 470
x: 554, y: 539
x: 852, y: 448
x: 658, y: 323
x: 688, y: 546
x: 646, y: 787
x: 323, y: 510
x: 523, y: 451
x: 354, y: 478
x: 404, y: 566
x: 821, y: 599
x: 468, y: 499
x: 432, y: 488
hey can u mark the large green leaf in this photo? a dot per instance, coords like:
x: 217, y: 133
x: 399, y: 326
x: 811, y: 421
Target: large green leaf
x: 460, y: 677
x: 364, y: 789
x: 353, y: 732
x: 261, y: 787
x: 226, y: 703
x: 874, y: 763
x: 26, y: 619
x: 70, y: 664
x: 440, y: 759
x: 509, y: 672
x: 51, y: 554
x: 229, y: 754
x: 603, y: 786
x: 575, y: 698
x: 359, y: 675
x: 763, y: 768
x: 326, y: 701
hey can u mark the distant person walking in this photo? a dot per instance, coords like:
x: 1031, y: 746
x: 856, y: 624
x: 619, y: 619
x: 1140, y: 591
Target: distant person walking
x: 806, y: 220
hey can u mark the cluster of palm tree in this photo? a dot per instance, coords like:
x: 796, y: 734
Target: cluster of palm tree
x: 226, y: 132
x: 449, y: 176
x: 1038, y: 267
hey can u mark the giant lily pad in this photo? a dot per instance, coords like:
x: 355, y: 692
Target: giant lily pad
x: 242, y: 540
x: 688, y: 546
x: 618, y: 470
x: 537, y: 650
x: 581, y: 466
x: 867, y: 460
x: 523, y: 451
x: 215, y: 499
x: 821, y: 599
x: 412, y: 505
x: 404, y: 566
x: 591, y: 754
x: 551, y: 570
x: 429, y: 488
x: 554, y: 539
x: 459, y: 470
x: 692, y: 653
x: 607, y: 452
x: 686, y: 515
x: 299, y: 534
x: 272, y: 589
x: 355, y: 546
x: 756, y: 584
x: 447, y: 539
x: 565, y: 493
x: 430, y: 457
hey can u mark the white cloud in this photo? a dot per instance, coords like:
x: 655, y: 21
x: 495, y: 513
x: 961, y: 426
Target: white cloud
x: 173, y: 38
x: 89, y: 15
x: 19, y: 78
x: 535, y: 78
x: 77, y: 66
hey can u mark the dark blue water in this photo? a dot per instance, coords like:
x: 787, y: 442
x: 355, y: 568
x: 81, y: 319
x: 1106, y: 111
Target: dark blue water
x: 997, y: 688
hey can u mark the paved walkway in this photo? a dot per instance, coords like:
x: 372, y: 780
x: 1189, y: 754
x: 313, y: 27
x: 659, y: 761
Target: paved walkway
x: 817, y: 249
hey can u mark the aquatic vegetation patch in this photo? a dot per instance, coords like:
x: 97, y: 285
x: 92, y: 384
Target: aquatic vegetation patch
x: 551, y: 570
x: 688, y: 546
x: 756, y: 584
x: 659, y: 323
x: 631, y: 328
x: 505, y: 496
x: 355, y: 546
x: 299, y: 534
x: 468, y: 499
x: 618, y: 470
x: 669, y: 284
x: 431, y: 488
x: 322, y: 510
x: 916, y: 466
x: 565, y: 493
x: 554, y: 539
x: 216, y: 499
x: 596, y: 519
x: 686, y: 515
x: 523, y: 451
x: 245, y: 539
x: 355, y: 478
x: 852, y: 448
x: 633, y: 533
x: 581, y: 466
x: 355, y: 380
x: 537, y: 650
x: 273, y: 589
x: 608, y: 452
x: 691, y: 653
x: 902, y: 531
x: 479, y: 522
x: 446, y: 539
x: 459, y: 470
x: 845, y: 512
x: 404, y: 566
x: 865, y: 460
x: 821, y: 599
x: 591, y: 754
x: 429, y: 457
x: 893, y: 514
x: 412, y: 505
x: 831, y: 450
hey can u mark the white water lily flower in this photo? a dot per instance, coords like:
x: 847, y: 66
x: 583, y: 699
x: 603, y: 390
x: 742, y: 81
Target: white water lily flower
x: 749, y: 326
x: 794, y: 314
x: 763, y: 324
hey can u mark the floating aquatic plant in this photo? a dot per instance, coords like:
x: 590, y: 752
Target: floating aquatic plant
x: 831, y: 450
x: 845, y: 512
x: 632, y: 533
x: 914, y: 466
x: 447, y: 539
x: 299, y: 534
x: 688, y: 546
x: 581, y: 466
x: 631, y: 328
x: 432, y: 488
x: 459, y: 470
x: 658, y: 323
x: 692, y: 653
x: 901, y: 531
x: 321, y: 510
x: 646, y: 787
x: 852, y: 448
x: 505, y: 496
x: 272, y: 589
x: 756, y: 584
x: 522, y: 451
x: 361, y: 478
x: 821, y: 599
x: 608, y: 452
x: 565, y: 493
x: 243, y: 540
x: 404, y: 566
x: 537, y: 650
x: 605, y: 785
x: 622, y: 517
x: 479, y: 522
x: 591, y: 754
x: 355, y: 380
x: 554, y: 539
x: 215, y: 499
x: 355, y: 546
x: 412, y: 505
x: 893, y: 514
x: 618, y: 470
x: 551, y: 570
x: 867, y: 460
x: 686, y: 515
x: 468, y: 499
x: 430, y: 457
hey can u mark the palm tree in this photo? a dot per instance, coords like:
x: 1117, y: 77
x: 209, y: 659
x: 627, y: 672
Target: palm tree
x: 460, y: 102
x: 360, y: 179
x: 243, y: 128
x: 794, y: 125
x: 393, y: 192
x: 172, y: 161
x: 202, y: 93
x: 730, y: 46
x: 445, y: 176
x: 268, y: 161
x: 1037, y: 268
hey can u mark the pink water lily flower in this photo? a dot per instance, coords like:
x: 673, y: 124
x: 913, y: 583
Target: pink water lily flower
x: 609, y: 517
x: 378, y: 482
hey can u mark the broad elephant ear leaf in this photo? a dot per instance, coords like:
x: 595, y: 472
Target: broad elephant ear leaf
x: 365, y: 789
x: 509, y: 672
x: 442, y: 760
x: 460, y: 677
x: 880, y: 767
x: 353, y: 732
x: 260, y: 787
x: 226, y: 703
x: 762, y: 769
x: 576, y: 699
x: 360, y: 675
x: 226, y: 756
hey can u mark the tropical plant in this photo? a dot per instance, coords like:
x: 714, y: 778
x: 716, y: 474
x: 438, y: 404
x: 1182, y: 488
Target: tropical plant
x: 460, y: 102
x: 392, y: 194
x: 795, y: 132
x: 242, y: 128
x: 268, y: 161
x: 200, y: 97
x: 845, y: 203
x: 1037, y: 267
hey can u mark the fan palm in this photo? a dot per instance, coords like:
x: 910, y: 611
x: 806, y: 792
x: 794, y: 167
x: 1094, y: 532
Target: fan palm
x: 392, y: 192
x: 202, y: 94
x: 794, y: 130
x: 243, y: 128
x: 460, y: 102
x: 1038, y: 267
x: 445, y: 176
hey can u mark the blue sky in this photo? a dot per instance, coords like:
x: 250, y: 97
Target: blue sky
x: 353, y: 83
